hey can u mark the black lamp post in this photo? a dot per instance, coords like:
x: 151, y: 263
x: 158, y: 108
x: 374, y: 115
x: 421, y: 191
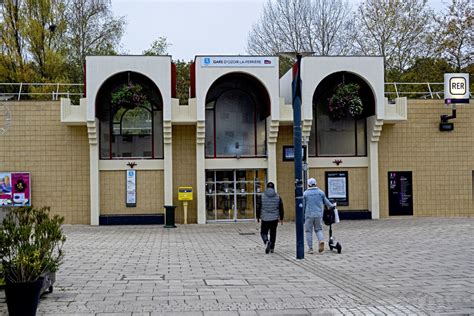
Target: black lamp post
x: 299, y: 220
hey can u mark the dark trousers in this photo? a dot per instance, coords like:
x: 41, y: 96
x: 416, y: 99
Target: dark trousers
x: 272, y: 227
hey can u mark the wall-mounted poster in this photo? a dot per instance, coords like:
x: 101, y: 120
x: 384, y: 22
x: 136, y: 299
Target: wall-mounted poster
x: 400, y: 195
x: 289, y: 153
x: 337, y: 187
x: 131, y: 193
x: 15, y: 189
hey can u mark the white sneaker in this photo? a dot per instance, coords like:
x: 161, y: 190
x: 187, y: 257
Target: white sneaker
x: 310, y: 250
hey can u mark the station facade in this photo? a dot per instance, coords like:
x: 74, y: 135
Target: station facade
x: 235, y: 135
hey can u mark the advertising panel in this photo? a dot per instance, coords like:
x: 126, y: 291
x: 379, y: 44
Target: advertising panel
x: 15, y: 189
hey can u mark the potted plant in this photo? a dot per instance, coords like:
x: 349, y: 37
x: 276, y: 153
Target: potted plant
x: 129, y: 96
x: 31, y: 244
x: 345, y: 100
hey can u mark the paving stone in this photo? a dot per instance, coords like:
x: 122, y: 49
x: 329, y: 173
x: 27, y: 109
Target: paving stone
x: 399, y: 266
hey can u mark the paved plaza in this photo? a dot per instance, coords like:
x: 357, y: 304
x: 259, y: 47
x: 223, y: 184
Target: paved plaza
x: 397, y: 266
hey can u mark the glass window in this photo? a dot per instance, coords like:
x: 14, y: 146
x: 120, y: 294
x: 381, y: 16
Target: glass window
x: 346, y: 136
x: 128, y: 131
x: 236, y: 127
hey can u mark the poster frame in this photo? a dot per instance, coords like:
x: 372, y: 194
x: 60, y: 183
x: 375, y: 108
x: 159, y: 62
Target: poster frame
x: 328, y: 176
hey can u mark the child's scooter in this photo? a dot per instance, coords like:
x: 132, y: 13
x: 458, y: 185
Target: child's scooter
x: 331, y: 216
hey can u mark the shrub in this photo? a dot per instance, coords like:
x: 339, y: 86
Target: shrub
x: 31, y: 243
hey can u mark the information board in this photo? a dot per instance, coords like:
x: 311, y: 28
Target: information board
x: 131, y: 193
x: 400, y: 193
x: 337, y: 189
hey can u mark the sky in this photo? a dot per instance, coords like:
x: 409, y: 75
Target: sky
x: 194, y: 27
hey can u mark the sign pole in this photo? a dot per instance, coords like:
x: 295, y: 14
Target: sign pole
x: 296, y: 85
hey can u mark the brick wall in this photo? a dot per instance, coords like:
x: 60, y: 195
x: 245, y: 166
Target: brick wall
x: 150, y: 193
x: 358, y: 197
x: 441, y: 163
x: 56, y: 155
x: 184, y: 169
x: 286, y: 172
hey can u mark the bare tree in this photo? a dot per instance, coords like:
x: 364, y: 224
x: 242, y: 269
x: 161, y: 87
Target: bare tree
x: 332, y: 26
x: 301, y: 25
x: 395, y: 29
x: 92, y: 30
x: 455, y: 36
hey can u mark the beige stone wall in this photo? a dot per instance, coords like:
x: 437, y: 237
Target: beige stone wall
x: 184, y: 169
x: 286, y: 173
x: 56, y: 155
x: 358, y: 197
x: 358, y: 186
x: 150, y: 193
x: 441, y: 163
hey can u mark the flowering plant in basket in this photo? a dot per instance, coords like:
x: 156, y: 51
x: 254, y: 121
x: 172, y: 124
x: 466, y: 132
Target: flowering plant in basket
x: 129, y: 96
x: 345, y: 100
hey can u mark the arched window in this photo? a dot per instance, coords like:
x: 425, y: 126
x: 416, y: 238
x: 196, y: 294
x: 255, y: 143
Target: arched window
x: 237, y: 106
x: 346, y: 136
x: 130, y: 130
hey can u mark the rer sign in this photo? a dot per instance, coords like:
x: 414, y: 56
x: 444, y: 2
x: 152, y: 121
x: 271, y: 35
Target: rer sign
x: 456, y: 88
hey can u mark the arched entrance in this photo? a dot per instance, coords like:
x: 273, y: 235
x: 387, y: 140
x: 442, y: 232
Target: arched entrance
x: 129, y: 108
x: 237, y: 107
x: 340, y: 134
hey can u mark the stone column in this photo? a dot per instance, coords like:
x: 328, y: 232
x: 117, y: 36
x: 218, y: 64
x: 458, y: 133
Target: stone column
x: 374, y: 129
x: 168, y: 162
x: 201, y: 172
x: 94, y: 171
x: 272, y: 132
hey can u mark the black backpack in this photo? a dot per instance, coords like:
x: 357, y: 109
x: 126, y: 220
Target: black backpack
x: 328, y: 215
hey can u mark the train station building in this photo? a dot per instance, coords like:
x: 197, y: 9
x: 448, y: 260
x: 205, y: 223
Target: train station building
x: 129, y: 147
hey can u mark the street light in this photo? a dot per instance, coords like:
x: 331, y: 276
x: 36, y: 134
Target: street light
x: 298, y: 149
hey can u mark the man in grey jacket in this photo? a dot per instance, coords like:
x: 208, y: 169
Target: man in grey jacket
x: 313, y: 206
x: 269, y: 210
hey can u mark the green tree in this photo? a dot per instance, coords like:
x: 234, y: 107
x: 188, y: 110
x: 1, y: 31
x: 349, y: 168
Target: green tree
x: 423, y: 70
x: 45, y: 25
x: 12, y: 41
x: 158, y: 47
x: 182, y: 80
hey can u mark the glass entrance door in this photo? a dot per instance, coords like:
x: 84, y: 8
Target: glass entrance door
x: 231, y: 195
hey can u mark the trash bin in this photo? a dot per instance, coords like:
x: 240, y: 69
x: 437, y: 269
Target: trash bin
x: 169, y: 216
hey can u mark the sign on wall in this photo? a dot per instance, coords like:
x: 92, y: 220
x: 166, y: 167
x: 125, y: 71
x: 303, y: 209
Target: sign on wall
x: 15, y: 189
x: 337, y: 187
x: 131, y: 182
x: 400, y: 193
x: 237, y: 61
x: 289, y: 153
x: 456, y: 88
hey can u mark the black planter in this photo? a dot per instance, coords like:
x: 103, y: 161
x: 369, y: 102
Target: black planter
x: 23, y: 298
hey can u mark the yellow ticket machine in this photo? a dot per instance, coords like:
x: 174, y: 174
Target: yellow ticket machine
x: 185, y: 194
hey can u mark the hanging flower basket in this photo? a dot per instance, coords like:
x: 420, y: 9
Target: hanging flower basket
x: 129, y: 96
x: 345, y: 100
